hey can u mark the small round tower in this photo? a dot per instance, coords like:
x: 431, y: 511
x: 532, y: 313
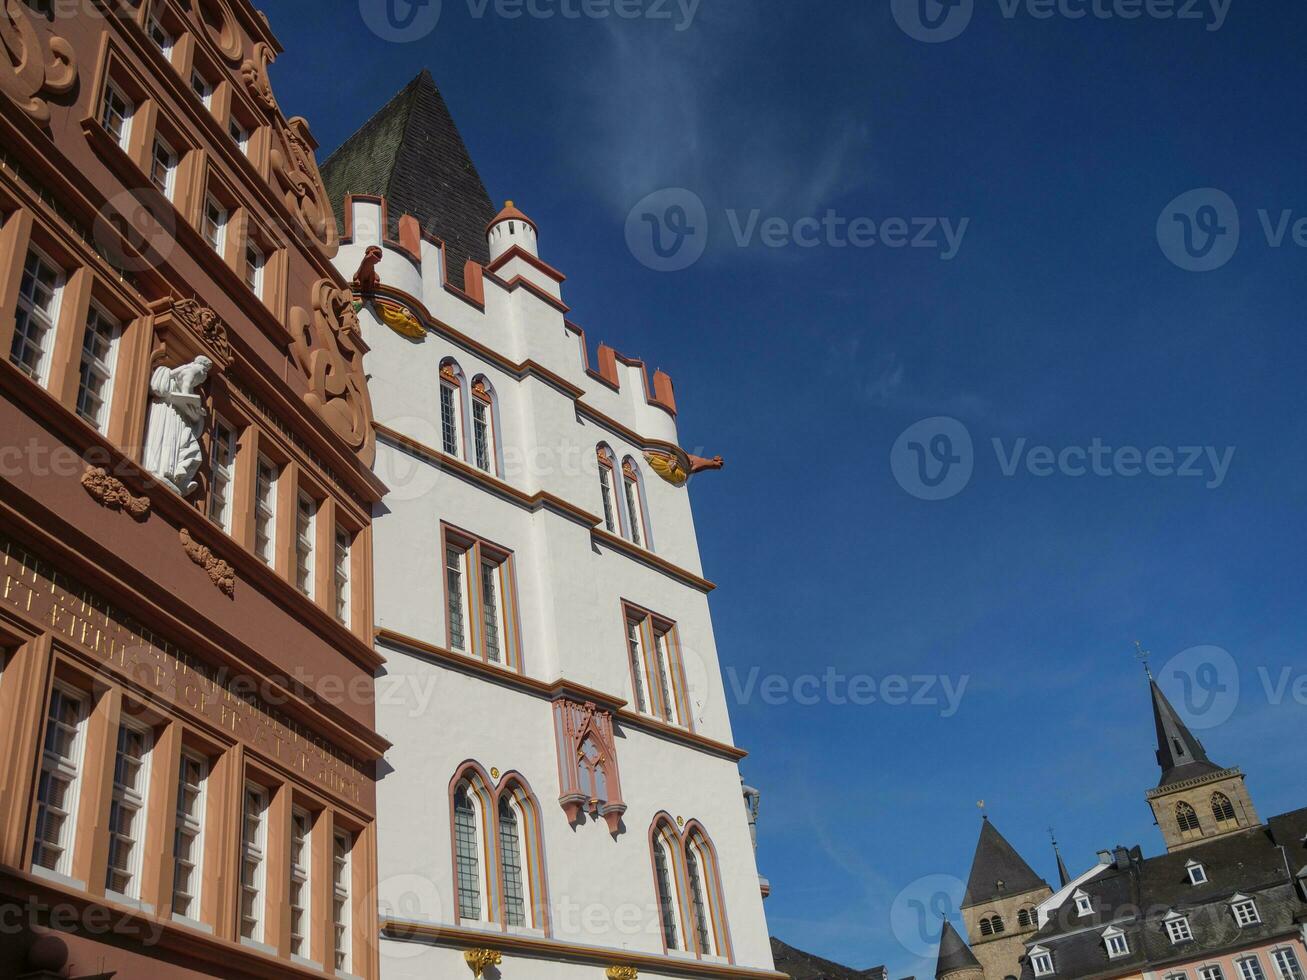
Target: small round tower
x: 511, y: 227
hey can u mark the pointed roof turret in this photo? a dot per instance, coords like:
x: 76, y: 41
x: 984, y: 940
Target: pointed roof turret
x: 412, y: 154
x: 1063, y: 876
x: 954, y: 953
x: 998, y: 870
x: 1179, y: 753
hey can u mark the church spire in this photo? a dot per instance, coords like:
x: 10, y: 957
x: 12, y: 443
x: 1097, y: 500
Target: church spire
x: 1063, y: 876
x: 997, y: 870
x: 955, y: 955
x: 1180, y: 755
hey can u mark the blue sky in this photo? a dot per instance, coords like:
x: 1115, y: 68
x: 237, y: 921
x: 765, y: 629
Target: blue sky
x: 1059, y: 320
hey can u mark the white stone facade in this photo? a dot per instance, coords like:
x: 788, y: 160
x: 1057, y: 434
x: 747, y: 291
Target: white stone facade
x: 442, y: 710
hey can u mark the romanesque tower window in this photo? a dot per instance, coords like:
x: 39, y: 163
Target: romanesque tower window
x: 99, y: 352
x: 1223, y: 812
x: 992, y: 925
x: 127, y: 810
x: 1027, y: 918
x: 56, y: 797
x: 1187, y: 820
x: 38, y: 310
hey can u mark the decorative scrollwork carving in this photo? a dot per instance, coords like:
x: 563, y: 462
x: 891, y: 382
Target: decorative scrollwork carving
x: 31, y: 67
x: 478, y: 959
x: 111, y: 493
x: 220, y: 572
x: 296, y: 173
x: 328, y: 347
x: 254, y: 72
x: 207, y: 324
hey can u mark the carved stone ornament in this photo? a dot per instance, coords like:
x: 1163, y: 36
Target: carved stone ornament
x: 254, y: 73
x: 220, y: 573
x: 32, y: 66
x: 111, y: 493
x: 401, y: 320
x: 205, y: 323
x: 668, y: 467
x: 478, y: 959
x: 172, y: 434
x: 297, y: 177
x: 328, y: 347
x: 622, y: 973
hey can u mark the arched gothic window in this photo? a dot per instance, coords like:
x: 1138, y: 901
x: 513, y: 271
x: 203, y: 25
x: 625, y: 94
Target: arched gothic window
x: 1223, y: 811
x: 499, y: 866
x: 687, y: 881
x: 485, y: 427
x: 1187, y: 820
x: 608, y: 490
x: 637, y: 513
x: 451, y: 408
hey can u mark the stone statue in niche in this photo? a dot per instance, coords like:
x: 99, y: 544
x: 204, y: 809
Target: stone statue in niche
x: 172, y: 437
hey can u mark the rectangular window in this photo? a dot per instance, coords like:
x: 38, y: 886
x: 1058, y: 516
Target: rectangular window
x: 1286, y: 964
x: 163, y: 168
x: 99, y: 351
x: 634, y: 510
x: 482, y: 434
x: 160, y: 36
x: 340, y: 899
x: 240, y: 135
x: 223, y: 465
x: 254, y: 264
x: 265, y: 511
x: 253, y: 851
x: 1245, y: 913
x: 1213, y: 972
x: 116, y: 115
x: 201, y: 87
x: 1042, y: 964
x: 652, y: 651
x: 215, y: 225
x: 449, y: 418
x: 343, y: 548
x: 1117, y: 946
x: 1250, y: 968
x: 127, y: 811
x: 306, y: 512
x: 610, y: 505
x: 492, y: 608
x: 455, y: 576
x: 635, y: 647
x: 56, y: 794
x: 1179, y: 930
x: 301, y: 891
x: 188, y: 837
x: 38, y: 310
x: 1197, y: 874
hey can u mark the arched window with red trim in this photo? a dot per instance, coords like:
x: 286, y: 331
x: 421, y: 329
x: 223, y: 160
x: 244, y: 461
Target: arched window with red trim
x: 485, y: 451
x: 451, y: 407
x: 637, y: 510
x: 688, y: 887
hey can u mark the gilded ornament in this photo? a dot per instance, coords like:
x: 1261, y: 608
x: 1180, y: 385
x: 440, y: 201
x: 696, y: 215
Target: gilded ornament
x: 622, y: 973
x: 479, y: 959
x: 401, y: 320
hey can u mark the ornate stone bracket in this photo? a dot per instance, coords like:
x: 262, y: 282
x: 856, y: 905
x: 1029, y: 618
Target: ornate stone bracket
x: 221, y: 573
x: 206, y: 325
x: 110, y: 492
x: 622, y: 973
x: 32, y: 66
x: 677, y: 468
x: 479, y: 959
x: 401, y: 321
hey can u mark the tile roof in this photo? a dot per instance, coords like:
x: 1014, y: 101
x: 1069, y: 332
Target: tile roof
x: 998, y: 870
x: 1179, y: 753
x: 805, y: 966
x: 412, y: 153
x: 954, y: 953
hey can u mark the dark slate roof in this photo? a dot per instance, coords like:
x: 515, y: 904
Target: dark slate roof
x: 954, y: 953
x: 411, y: 153
x: 804, y: 966
x: 998, y: 870
x: 1179, y: 753
x: 1136, y: 894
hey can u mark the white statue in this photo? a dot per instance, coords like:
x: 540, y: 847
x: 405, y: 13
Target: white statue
x: 172, y: 437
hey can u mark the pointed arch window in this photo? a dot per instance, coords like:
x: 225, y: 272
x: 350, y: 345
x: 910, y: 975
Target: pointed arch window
x: 451, y: 404
x: 608, y: 490
x: 1223, y: 811
x: 1187, y: 820
x: 687, y: 883
x: 485, y: 416
x: 497, y: 852
x: 637, y: 515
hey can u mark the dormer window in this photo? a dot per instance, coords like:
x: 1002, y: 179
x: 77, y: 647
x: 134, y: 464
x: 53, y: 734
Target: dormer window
x: 1245, y: 911
x: 1084, y: 904
x: 1041, y: 961
x: 1197, y: 873
x: 1178, y: 928
x: 1116, y: 942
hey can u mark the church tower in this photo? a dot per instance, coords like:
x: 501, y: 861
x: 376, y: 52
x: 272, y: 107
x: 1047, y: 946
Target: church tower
x: 999, y: 907
x: 1196, y: 800
x: 956, y: 961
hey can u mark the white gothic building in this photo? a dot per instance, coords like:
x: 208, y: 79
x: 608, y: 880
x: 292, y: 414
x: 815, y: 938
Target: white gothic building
x: 562, y: 798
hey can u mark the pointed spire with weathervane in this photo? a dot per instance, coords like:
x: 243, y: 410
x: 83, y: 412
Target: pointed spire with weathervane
x: 1063, y: 876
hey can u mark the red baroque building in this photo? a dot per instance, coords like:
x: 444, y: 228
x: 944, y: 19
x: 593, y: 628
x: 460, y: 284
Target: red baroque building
x: 187, y: 741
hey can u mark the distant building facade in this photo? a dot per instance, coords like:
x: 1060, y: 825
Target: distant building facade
x: 564, y: 799
x: 1228, y: 901
x: 187, y: 738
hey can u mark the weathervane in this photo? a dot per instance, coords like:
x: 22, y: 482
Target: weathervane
x: 1144, y: 655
